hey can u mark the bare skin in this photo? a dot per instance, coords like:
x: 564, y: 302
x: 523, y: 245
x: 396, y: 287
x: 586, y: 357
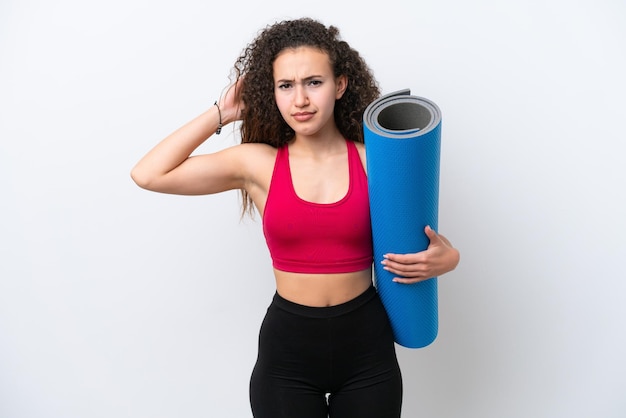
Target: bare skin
x: 305, y: 92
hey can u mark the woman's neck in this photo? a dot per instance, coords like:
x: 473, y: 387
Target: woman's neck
x: 320, y: 144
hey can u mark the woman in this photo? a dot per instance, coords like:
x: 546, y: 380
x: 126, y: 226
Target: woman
x: 325, y: 346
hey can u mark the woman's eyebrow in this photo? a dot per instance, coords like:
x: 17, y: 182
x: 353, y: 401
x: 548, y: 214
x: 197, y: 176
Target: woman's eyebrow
x: 305, y: 79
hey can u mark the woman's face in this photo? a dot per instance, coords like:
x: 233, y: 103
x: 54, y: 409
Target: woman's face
x: 306, y: 89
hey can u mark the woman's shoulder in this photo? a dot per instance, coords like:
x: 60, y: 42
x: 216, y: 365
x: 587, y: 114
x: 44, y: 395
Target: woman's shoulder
x: 258, y: 158
x: 257, y: 150
x: 360, y: 147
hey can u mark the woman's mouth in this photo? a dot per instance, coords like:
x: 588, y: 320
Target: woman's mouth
x: 303, y: 116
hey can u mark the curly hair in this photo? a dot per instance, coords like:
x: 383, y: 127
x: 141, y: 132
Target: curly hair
x: 261, y: 119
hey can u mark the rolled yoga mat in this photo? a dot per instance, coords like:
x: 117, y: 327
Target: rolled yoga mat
x: 402, y: 142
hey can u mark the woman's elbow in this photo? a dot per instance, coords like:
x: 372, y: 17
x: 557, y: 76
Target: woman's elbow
x: 141, y: 178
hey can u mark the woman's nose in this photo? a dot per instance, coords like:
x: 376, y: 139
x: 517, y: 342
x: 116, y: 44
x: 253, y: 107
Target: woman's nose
x: 301, y: 97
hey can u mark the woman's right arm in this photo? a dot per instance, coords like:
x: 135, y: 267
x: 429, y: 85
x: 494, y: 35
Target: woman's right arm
x: 170, y: 168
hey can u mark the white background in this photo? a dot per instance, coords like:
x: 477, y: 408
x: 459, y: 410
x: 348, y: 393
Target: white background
x: 117, y: 302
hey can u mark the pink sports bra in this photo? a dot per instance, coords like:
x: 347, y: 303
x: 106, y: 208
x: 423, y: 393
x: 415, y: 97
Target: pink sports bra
x: 308, y: 237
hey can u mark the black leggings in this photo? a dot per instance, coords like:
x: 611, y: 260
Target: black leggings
x: 345, y: 351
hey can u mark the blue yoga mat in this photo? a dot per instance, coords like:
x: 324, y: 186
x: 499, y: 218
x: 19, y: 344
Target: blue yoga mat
x: 402, y: 143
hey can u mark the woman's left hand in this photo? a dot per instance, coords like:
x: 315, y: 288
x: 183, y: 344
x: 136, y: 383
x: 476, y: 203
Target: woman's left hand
x: 439, y: 258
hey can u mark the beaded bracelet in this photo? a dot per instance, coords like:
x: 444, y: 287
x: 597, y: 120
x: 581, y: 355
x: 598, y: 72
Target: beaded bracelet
x: 219, y: 125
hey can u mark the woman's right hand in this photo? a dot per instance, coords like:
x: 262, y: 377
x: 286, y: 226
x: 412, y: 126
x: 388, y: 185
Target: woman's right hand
x: 231, y: 105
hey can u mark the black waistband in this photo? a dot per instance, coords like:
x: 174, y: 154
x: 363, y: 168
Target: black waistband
x: 325, y: 311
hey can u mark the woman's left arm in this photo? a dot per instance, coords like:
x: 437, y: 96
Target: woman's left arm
x: 439, y: 258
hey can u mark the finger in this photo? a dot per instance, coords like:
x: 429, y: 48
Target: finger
x: 408, y: 270
x: 402, y: 280
x: 411, y: 258
x: 408, y: 266
x: 432, y: 235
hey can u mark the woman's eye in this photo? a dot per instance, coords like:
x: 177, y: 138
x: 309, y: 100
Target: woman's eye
x: 284, y: 86
x: 315, y: 82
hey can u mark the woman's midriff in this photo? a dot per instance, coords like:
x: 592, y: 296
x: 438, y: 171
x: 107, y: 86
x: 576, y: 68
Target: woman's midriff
x: 322, y: 290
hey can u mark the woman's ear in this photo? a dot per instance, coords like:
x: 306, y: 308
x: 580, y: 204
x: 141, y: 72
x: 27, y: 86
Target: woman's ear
x: 342, y: 85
